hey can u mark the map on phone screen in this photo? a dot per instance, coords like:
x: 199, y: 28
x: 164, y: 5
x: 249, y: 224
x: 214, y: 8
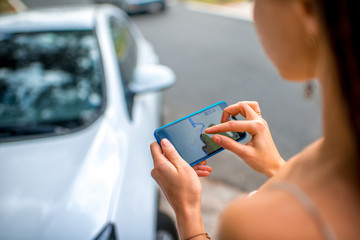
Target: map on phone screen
x: 208, y: 145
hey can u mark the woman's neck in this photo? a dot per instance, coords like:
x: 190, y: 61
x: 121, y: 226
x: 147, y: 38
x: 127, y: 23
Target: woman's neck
x: 338, y: 148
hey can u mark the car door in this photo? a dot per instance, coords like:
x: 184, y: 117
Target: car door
x: 137, y: 204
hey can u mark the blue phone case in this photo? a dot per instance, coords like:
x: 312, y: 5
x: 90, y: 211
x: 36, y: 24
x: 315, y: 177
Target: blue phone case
x: 206, y: 157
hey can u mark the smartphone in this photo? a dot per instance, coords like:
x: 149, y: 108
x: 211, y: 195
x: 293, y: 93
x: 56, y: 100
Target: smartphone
x: 188, y: 134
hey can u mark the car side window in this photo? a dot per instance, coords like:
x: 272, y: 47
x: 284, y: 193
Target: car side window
x: 126, y: 52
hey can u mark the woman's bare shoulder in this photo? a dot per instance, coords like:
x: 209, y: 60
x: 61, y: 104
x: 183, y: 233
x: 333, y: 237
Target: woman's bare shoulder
x: 267, y: 215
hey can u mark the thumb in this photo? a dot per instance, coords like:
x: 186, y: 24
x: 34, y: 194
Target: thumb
x: 233, y: 146
x: 171, y: 153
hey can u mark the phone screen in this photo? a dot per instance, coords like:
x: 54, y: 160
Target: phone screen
x: 188, y: 134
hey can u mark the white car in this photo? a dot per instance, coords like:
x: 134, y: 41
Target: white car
x: 79, y: 102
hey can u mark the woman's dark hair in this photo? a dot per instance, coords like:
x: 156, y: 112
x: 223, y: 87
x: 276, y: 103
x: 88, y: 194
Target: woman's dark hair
x: 342, y: 22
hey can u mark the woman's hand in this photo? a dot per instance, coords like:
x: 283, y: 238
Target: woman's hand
x: 181, y: 186
x: 175, y: 177
x: 260, y: 153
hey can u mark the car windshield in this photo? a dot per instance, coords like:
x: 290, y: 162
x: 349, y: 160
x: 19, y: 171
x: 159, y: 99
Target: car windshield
x: 49, y: 81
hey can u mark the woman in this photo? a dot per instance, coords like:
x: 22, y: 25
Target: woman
x: 316, y: 194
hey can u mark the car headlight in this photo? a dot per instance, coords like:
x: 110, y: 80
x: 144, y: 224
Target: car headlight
x: 107, y: 233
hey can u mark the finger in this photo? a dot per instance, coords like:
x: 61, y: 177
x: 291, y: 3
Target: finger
x: 171, y: 153
x: 201, y: 173
x: 254, y: 105
x: 202, y: 163
x: 241, y: 150
x: 156, y: 153
x: 202, y: 168
x: 240, y: 108
x: 233, y: 126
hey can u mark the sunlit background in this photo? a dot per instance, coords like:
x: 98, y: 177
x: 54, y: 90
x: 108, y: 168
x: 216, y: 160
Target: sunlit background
x: 212, y: 47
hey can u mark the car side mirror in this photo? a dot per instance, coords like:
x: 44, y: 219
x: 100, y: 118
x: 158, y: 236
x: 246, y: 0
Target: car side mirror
x: 150, y: 78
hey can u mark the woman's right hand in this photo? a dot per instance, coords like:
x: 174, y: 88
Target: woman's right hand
x: 260, y: 153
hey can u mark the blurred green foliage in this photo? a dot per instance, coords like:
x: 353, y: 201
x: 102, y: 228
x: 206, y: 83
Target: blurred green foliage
x: 6, y: 6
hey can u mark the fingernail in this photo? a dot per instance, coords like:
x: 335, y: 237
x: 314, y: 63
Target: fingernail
x: 208, y: 129
x: 165, y: 142
x: 217, y: 139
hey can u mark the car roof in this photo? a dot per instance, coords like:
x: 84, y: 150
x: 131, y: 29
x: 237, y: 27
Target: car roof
x: 55, y: 18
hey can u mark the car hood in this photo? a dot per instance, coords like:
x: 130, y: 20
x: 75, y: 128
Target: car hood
x: 58, y: 187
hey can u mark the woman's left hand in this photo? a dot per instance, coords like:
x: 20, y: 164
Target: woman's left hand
x: 178, y: 180
x: 181, y: 186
